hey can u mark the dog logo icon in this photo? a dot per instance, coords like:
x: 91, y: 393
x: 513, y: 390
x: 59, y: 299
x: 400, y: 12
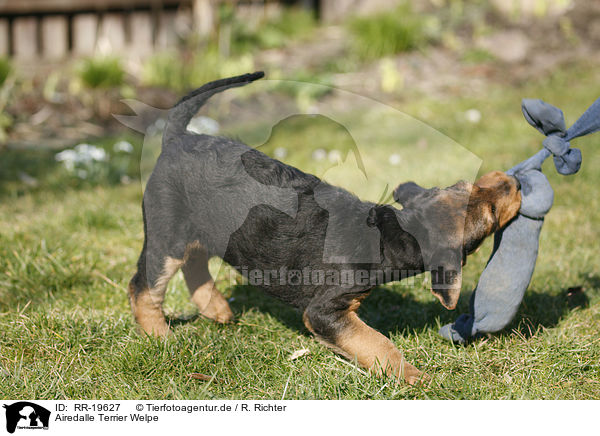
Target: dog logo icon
x: 26, y: 415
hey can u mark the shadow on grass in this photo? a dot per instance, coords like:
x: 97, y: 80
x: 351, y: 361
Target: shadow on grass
x: 36, y: 164
x: 385, y: 310
x: 542, y: 309
x: 390, y: 312
x: 175, y: 321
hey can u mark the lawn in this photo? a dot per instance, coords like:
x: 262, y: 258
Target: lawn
x: 68, y: 249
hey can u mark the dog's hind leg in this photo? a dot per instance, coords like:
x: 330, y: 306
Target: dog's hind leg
x: 204, y: 294
x: 146, y: 294
x: 348, y: 335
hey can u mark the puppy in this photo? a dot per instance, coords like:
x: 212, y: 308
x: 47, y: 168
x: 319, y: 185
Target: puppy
x: 212, y: 196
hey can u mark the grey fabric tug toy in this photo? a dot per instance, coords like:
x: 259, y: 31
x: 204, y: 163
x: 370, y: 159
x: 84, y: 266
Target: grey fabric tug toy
x: 506, y: 277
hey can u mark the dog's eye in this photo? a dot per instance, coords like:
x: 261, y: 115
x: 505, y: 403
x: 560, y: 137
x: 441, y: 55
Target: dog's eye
x: 494, y: 209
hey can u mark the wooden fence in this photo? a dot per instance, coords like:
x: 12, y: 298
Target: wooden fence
x: 54, y: 29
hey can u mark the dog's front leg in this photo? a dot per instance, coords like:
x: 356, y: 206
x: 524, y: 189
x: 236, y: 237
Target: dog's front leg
x: 348, y: 335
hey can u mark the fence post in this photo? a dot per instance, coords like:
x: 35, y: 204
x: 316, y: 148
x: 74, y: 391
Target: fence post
x: 85, y: 28
x: 111, y: 38
x: 141, y: 33
x: 166, y: 36
x: 4, y: 38
x: 25, y: 38
x: 204, y: 16
x: 55, y: 37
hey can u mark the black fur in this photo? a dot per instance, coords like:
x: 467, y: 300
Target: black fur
x: 260, y: 214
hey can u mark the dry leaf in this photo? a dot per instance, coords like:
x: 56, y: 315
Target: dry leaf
x: 202, y: 377
x: 299, y: 353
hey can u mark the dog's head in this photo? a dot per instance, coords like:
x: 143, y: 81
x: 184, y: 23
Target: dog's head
x: 451, y: 223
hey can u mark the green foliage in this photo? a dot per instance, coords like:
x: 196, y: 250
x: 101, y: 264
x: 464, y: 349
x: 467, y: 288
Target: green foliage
x: 275, y: 32
x: 165, y: 70
x: 391, y: 32
x: 5, y: 69
x: 477, y: 55
x: 174, y: 71
x: 184, y: 71
x: 101, y: 72
x: 306, y: 87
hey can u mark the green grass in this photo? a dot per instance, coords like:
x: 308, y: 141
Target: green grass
x: 172, y: 70
x: 391, y: 32
x: 5, y: 69
x: 477, y: 55
x: 68, y: 251
x: 291, y: 25
x: 227, y: 55
x: 101, y: 72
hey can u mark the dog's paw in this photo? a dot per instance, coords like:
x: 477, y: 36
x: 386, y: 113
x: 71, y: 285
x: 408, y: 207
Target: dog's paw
x: 413, y: 376
x: 157, y: 331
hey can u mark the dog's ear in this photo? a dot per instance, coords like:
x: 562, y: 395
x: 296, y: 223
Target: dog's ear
x: 405, y: 192
x: 446, y: 276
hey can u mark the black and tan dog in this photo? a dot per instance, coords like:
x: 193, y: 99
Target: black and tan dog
x: 212, y: 196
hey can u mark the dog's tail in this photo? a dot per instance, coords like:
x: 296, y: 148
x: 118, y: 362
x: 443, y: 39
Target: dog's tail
x: 183, y: 111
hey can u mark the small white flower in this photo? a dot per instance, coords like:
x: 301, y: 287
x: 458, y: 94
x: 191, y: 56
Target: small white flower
x: 98, y: 154
x: 280, y: 153
x: 319, y: 154
x: 87, y: 153
x: 82, y: 174
x: 395, y: 159
x: 66, y: 155
x: 334, y: 156
x: 473, y: 116
x: 298, y: 353
x: 83, y: 148
x: 123, y: 146
x: 203, y: 125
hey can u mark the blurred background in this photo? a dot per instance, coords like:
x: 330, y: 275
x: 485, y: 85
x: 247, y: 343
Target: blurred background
x: 66, y: 66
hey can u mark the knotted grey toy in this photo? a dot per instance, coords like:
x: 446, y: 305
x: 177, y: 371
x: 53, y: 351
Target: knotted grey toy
x: 508, y: 272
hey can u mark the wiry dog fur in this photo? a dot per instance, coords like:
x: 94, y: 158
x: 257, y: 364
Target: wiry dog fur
x: 212, y: 196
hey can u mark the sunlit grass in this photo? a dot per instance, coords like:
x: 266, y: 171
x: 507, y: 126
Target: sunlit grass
x: 66, y: 256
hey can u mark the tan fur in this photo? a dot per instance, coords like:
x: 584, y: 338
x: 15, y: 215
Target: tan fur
x: 507, y: 205
x: 147, y: 305
x: 321, y: 340
x: 372, y: 350
x: 149, y: 314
